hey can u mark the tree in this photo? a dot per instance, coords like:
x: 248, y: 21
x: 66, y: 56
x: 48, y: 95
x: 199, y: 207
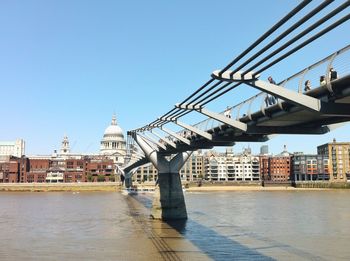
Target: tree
x: 89, y: 177
x: 100, y: 178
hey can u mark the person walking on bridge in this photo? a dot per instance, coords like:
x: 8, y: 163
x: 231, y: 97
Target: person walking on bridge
x: 227, y: 112
x: 270, y: 99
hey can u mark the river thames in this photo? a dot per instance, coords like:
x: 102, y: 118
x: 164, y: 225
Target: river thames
x: 241, y: 225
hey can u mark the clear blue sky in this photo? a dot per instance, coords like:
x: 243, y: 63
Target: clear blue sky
x: 66, y: 66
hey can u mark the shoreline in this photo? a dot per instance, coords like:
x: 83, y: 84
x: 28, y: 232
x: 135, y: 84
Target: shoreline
x: 251, y: 188
x: 116, y: 186
x: 60, y: 187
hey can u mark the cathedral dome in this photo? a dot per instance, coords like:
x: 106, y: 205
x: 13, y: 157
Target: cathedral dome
x: 113, y: 143
x: 114, y: 130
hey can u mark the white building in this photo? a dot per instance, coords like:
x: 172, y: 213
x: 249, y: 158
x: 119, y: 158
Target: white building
x: 65, y: 149
x: 12, y: 148
x: 55, y: 175
x: 230, y: 167
x: 113, y: 143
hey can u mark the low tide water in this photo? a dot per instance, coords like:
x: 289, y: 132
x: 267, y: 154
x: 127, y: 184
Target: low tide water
x: 240, y: 225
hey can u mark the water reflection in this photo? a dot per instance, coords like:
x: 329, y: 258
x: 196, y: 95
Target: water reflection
x: 305, y: 225
x: 213, y: 244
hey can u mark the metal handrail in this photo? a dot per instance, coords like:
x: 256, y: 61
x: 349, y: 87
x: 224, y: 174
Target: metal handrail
x: 301, y: 74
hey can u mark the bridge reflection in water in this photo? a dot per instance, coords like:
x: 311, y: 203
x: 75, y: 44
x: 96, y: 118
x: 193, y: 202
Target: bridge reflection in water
x: 257, y: 226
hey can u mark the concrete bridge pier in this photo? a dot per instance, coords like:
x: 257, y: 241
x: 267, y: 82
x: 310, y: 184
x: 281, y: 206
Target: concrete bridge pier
x: 128, y: 181
x: 169, y: 202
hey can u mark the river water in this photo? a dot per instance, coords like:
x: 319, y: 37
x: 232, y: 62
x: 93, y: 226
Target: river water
x: 256, y: 225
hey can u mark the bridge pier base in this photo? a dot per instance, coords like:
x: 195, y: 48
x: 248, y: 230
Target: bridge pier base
x: 128, y: 181
x: 169, y: 201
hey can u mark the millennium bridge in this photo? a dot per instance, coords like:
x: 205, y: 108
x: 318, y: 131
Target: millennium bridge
x: 313, y: 101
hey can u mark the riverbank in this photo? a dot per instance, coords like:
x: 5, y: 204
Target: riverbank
x: 57, y: 187
x: 190, y: 187
x: 247, y: 188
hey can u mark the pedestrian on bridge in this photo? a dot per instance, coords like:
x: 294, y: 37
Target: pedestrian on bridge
x: 333, y: 75
x: 227, y: 112
x: 270, y: 99
x: 307, y: 86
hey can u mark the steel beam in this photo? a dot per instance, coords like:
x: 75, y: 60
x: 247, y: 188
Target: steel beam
x: 155, y: 142
x: 172, y: 144
x: 216, y: 116
x: 194, y: 129
x: 293, y: 97
x: 296, y: 98
x: 177, y: 136
x: 234, y: 77
x: 286, y: 130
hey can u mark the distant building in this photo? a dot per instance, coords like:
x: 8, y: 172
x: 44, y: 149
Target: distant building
x: 308, y: 167
x: 113, y: 143
x: 9, y: 169
x: 192, y: 170
x: 229, y: 167
x: 276, y: 168
x: 12, y: 148
x: 264, y: 150
x: 338, y: 154
x: 65, y: 149
x: 55, y: 175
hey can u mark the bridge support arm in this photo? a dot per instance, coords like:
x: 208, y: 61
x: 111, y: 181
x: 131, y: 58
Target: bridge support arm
x: 293, y: 97
x: 150, y: 152
x: 172, y: 144
x: 216, y: 116
x: 204, y: 134
x: 177, y: 136
x: 155, y: 142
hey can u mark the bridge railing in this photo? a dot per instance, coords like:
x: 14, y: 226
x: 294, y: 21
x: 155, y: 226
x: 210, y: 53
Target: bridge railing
x: 339, y: 61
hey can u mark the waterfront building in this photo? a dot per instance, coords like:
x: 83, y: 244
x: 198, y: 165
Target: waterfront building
x: 12, y: 148
x: 338, y: 154
x: 9, y: 169
x: 276, y: 168
x: 113, y: 143
x: 309, y: 167
x: 146, y: 173
x: 38, y: 168
x: 230, y: 167
x: 55, y: 175
x: 191, y: 171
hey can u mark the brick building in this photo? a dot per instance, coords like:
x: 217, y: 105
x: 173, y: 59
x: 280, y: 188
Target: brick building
x: 338, y: 154
x: 9, y: 169
x: 56, y: 169
x: 276, y: 168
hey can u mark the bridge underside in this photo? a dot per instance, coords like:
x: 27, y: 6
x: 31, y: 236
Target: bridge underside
x: 281, y: 118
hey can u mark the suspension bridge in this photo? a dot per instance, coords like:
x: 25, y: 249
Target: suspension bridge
x: 291, y: 106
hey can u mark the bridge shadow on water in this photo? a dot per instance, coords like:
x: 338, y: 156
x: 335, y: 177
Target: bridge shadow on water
x: 210, y: 242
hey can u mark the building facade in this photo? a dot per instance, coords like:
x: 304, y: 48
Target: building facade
x: 193, y: 170
x: 230, y: 167
x: 113, y: 143
x: 278, y: 168
x: 12, y: 148
x: 338, y: 154
x: 309, y: 167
